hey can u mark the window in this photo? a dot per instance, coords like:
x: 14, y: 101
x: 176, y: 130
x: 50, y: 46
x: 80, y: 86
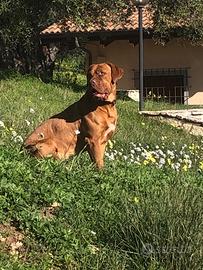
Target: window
x: 169, y: 85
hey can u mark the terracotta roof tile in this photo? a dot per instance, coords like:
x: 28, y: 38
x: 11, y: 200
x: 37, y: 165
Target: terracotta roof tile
x: 127, y: 23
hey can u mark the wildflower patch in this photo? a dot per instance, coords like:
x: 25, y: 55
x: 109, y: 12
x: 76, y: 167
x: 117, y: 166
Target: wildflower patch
x: 187, y: 157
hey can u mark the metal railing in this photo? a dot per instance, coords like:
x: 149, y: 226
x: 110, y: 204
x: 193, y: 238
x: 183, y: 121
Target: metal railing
x: 178, y: 94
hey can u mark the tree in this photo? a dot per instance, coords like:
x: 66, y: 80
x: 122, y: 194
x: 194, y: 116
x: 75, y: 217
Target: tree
x: 179, y: 18
x: 23, y: 20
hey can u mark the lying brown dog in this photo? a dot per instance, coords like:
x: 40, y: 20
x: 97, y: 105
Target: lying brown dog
x: 87, y: 124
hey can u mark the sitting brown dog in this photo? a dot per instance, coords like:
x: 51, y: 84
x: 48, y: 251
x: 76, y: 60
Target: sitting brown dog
x: 86, y: 125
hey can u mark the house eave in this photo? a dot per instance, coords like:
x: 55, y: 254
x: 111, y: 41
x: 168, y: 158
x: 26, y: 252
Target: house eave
x: 101, y: 36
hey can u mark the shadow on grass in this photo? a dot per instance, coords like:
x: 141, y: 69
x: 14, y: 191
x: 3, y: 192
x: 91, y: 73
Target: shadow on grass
x: 75, y: 87
x: 121, y: 96
x: 8, y: 74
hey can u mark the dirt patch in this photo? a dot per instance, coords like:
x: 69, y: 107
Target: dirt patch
x: 49, y: 211
x: 11, y: 240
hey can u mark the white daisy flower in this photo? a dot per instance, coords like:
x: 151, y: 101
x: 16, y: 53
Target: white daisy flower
x: 32, y: 110
x: 14, y: 133
x: 2, y: 124
x: 27, y: 122
x: 17, y: 139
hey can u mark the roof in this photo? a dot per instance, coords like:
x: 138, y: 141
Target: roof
x: 126, y: 23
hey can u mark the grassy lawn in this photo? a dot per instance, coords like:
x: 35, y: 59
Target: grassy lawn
x: 143, y: 211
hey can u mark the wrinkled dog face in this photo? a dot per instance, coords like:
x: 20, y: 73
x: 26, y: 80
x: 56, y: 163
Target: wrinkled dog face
x: 43, y: 148
x: 102, y: 79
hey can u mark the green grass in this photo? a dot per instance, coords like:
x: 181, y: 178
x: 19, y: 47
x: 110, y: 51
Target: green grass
x: 127, y: 216
x: 155, y: 106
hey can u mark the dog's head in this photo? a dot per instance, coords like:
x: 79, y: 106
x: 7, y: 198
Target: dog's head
x: 43, y: 148
x: 102, y: 79
x: 50, y: 148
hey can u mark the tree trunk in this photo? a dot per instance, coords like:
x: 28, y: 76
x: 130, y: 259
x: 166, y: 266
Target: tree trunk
x: 40, y: 61
x: 47, y: 62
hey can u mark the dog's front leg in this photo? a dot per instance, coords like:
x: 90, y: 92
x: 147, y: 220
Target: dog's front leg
x: 96, y: 150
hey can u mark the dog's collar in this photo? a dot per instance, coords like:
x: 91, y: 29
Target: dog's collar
x: 106, y: 102
x: 100, y: 102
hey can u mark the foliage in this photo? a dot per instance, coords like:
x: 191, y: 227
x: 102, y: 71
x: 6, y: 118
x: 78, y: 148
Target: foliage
x: 23, y: 20
x: 69, y: 67
x: 127, y: 216
x: 180, y: 18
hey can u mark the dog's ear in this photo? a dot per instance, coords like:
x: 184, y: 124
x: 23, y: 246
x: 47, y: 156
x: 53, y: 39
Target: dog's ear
x: 89, y: 72
x: 90, y: 68
x: 116, y: 72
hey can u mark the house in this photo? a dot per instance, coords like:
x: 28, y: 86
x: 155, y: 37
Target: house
x: 173, y: 73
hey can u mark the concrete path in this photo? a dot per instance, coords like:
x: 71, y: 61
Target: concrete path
x: 191, y: 119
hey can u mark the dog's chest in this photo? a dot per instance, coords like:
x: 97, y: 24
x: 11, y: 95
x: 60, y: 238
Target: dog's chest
x: 97, y: 122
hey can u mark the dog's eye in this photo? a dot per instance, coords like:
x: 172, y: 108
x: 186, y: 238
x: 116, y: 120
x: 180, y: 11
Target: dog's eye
x: 100, y: 73
x: 41, y: 136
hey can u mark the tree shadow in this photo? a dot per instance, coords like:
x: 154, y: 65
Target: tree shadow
x: 74, y: 86
x: 8, y: 74
x: 122, y: 96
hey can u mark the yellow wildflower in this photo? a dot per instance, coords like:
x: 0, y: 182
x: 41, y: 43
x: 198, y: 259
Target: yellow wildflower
x: 169, y: 161
x: 136, y: 200
x: 185, y: 168
x: 151, y: 158
x: 110, y: 143
x: 201, y: 165
x: 146, y: 162
x: 192, y: 147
